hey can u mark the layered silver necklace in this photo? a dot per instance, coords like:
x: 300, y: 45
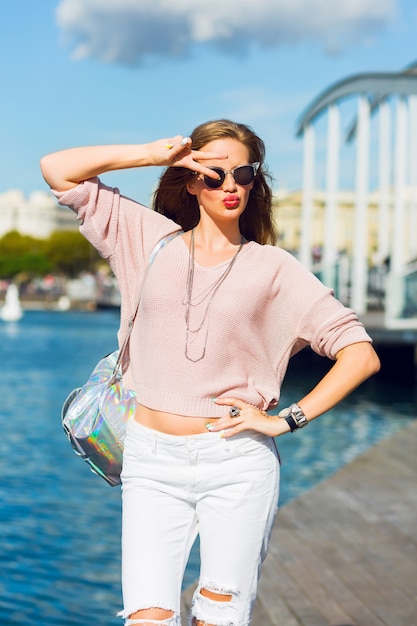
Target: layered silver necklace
x: 203, y: 299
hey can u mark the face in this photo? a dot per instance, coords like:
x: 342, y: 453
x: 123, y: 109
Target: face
x: 227, y: 202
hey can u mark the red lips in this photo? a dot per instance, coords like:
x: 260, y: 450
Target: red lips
x: 231, y: 201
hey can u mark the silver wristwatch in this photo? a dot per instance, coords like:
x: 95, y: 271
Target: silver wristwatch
x: 294, y: 417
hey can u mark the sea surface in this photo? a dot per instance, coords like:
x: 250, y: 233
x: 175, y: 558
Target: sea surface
x: 60, y: 524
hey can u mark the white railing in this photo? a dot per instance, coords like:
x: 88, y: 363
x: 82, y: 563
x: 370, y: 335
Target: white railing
x: 401, y: 299
x: 336, y: 277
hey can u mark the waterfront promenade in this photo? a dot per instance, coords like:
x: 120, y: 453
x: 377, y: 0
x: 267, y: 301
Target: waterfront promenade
x: 374, y: 322
x: 345, y: 552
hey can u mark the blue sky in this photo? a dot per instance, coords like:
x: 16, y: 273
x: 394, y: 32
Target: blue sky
x: 78, y: 72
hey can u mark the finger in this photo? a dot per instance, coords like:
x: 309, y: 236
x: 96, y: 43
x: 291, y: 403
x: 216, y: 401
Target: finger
x: 202, y: 155
x: 230, y: 402
x: 224, y: 422
x: 200, y: 169
x: 225, y: 431
x: 234, y: 429
x: 177, y: 144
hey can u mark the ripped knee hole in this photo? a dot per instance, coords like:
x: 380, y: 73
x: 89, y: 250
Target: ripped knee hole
x: 217, y: 596
x: 154, y: 615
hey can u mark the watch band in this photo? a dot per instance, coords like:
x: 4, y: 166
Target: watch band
x: 294, y: 417
x: 291, y: 423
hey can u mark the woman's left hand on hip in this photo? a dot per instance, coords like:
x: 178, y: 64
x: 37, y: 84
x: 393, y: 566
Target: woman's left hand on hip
x: 243, y: 416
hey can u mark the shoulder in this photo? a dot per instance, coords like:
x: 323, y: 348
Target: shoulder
x: 93, y: 192
x: 94, y: 199
x: 113, y: 222
x: 284, y: 272
x: 276, y: 257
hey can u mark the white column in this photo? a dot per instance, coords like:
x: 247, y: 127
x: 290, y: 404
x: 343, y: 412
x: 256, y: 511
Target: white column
x: 332, y: 184
x: 384, y: 181
x: 307, y: 200
x: 360, y: 243
x: 412, y: 151
x: 398, y: 253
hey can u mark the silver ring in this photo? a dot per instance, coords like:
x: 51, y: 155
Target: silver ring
x: 234, y: 411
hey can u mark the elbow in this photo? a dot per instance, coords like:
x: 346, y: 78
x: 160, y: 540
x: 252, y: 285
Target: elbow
x: 374, y: 363
x: 362, y: 358
x: 45, y: 169
x: 52, y: 172
x: 369, y: 360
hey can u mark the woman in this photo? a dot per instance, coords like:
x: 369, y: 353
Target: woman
x: 221, y: 312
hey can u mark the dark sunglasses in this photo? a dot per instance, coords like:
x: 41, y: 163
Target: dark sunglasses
x: 243, y: 175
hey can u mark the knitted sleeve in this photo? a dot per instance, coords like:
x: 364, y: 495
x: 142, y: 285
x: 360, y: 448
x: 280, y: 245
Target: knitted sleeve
x: 328, y: 326
x: 323, y: 322
x: 110, y: 220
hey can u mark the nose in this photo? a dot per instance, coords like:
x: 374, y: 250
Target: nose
x: 229, y: 183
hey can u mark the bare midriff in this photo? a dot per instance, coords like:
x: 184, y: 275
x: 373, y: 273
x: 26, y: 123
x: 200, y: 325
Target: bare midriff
x: 170, y: 423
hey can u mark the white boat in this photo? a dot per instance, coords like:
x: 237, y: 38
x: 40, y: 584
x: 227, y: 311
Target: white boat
x: 11, y: 311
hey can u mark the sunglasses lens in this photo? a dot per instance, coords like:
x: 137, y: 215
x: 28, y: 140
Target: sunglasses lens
x: 244, y: 175
x: 215, y: 183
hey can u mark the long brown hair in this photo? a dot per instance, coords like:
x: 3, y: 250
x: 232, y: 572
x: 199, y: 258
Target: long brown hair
x: 173, y: 200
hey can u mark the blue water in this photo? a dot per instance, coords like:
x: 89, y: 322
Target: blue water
x: 60, y: 524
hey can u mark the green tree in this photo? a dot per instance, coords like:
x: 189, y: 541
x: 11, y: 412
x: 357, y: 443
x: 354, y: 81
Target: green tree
x: 70, y: 253
x: 22, y: 253
x: 64, y: 252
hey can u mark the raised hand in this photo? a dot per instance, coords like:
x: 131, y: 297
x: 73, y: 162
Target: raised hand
x: 177, y: 152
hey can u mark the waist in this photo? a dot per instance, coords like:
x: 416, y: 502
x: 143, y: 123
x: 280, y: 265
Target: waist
x: 170, y: 423
x: 180, y: 398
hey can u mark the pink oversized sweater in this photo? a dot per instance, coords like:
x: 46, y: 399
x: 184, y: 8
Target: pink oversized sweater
x: 266, y: 310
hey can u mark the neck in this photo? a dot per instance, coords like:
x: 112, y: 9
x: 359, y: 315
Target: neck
x: 213, y: 236
x: 210, y: 251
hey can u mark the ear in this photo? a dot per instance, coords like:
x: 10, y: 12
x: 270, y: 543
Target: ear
x: 191, y: 185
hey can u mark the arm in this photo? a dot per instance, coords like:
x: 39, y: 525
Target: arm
x: 354, y: 364
x: 65, y: 169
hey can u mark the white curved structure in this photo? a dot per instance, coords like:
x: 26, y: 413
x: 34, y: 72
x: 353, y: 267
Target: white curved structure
x: 397, y: 237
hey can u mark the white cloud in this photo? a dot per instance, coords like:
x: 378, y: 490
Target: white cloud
x: 133, y: 31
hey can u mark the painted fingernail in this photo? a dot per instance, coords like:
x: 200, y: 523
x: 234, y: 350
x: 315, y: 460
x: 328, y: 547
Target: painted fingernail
x: 214, y: 399
x: 168, y: 146
x: 209, y: 426
x: 185, y: 141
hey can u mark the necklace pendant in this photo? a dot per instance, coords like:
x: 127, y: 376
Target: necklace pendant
x: 197, y: 359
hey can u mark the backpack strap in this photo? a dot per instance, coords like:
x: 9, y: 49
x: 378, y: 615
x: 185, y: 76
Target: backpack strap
x: 157, y: 247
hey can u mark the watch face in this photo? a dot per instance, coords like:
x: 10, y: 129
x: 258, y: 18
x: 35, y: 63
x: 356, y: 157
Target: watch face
x: 284, y: 412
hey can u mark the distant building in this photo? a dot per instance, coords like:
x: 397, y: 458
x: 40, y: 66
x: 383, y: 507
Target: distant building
x: 288, y: 207
x: 38, y: 215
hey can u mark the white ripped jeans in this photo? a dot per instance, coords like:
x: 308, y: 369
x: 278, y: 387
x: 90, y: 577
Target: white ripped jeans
x: 225, y: 489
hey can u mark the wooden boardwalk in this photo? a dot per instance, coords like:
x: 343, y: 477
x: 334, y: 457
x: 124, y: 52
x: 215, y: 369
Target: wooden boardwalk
x: 345, y: 552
